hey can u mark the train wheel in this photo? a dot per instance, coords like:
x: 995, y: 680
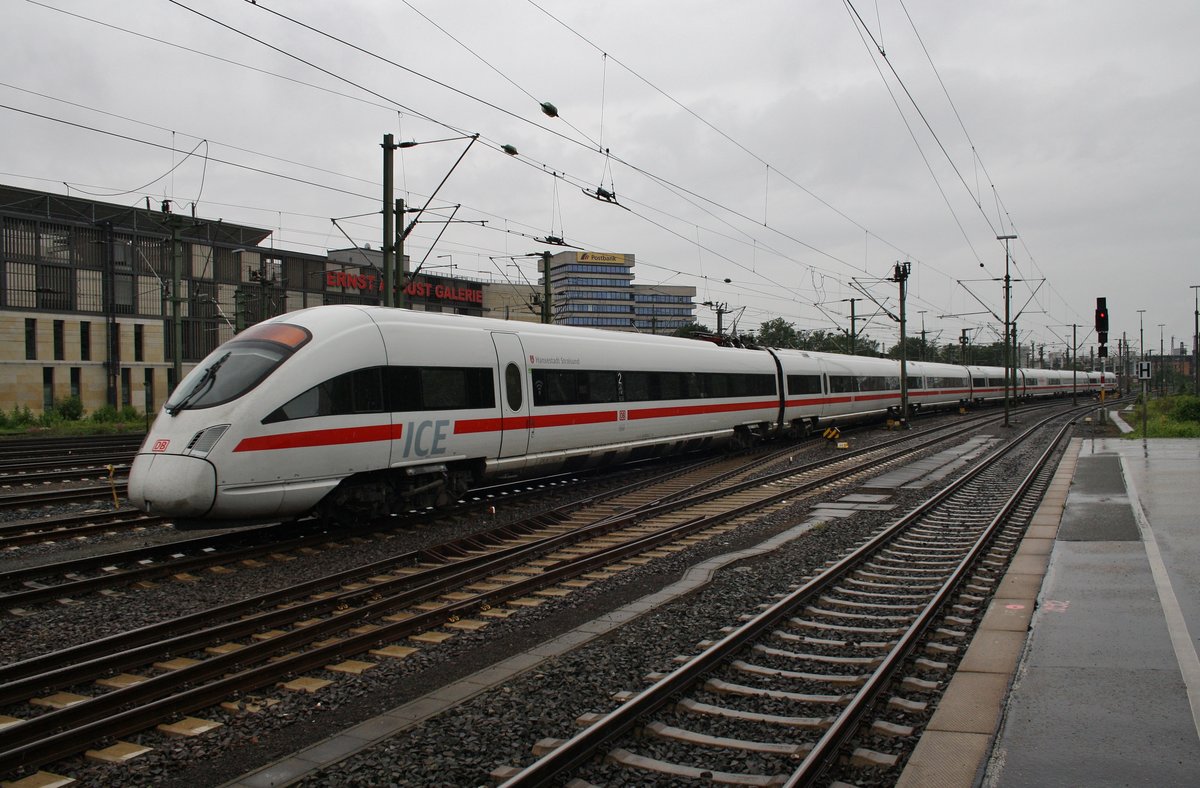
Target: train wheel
x: 456, y: 486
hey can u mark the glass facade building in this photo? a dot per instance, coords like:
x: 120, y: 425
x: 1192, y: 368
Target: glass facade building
x: 596, y: 289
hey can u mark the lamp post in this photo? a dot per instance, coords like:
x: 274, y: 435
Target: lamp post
x: 1007, y: 323
x: 1141, y: 335
x: 1196, y: 343
x: 440, y: 256
x: 1162, y: 373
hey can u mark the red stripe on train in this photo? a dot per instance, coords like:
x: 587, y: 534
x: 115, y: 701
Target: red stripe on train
x: 311, y: 438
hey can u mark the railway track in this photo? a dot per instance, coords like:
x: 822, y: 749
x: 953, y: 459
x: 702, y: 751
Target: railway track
x: 850, y: 655
x: 57, y: 471
x: 66, y: 527
x: 18, y: 449
x: 115, y: 488
x: 72, y: 578
x: 52, y: 464
x: 376, y: 609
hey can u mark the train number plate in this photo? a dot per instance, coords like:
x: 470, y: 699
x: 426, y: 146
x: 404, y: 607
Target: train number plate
x: 161, y: 444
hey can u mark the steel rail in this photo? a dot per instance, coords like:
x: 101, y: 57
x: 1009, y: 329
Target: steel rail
x: 19, y: 500
x: 579, y: 749
x: 820, y: 758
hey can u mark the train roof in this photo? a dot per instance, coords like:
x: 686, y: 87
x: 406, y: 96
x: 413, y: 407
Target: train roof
x: 398, y: 316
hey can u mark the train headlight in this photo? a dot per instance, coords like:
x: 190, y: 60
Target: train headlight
x: 204, y: 440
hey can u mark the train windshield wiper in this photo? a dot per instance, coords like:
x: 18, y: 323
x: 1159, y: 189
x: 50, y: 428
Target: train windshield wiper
x: 203, y: 385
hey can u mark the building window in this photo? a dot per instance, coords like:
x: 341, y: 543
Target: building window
x: 148, y: 387
x: 76, y: 374
x: 139, y: 342
x: 47, y: 388
x: 59, y: 341
x: 30, y: 338
x: 123, y: 294
x: 55, y: 287
x: 126, y: 386
x: 85, y: 341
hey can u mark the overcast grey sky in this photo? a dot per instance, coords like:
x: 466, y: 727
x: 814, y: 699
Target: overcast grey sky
x: 767, y: 143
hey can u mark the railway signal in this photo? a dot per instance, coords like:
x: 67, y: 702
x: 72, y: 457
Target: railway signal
x: 1102, y: 326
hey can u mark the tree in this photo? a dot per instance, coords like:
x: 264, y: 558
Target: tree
x: 917, y: 350
x: 691, y: 329
x: 778, y: 333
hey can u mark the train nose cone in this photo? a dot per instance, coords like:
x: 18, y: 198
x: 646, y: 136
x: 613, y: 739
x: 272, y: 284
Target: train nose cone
x: 172, y: 485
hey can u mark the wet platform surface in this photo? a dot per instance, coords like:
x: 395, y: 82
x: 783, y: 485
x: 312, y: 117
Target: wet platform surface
x: 1104, y: 688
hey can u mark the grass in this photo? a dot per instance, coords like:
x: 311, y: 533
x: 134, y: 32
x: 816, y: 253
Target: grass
x: 1167, y: 417
x: 67, y: 419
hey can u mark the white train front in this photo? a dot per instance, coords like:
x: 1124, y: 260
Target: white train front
x: 358, y: 411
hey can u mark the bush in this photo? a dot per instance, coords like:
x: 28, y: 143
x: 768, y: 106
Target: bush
x: 1186, y: 408
x: 105, y: 414
x: 18, y: 417
x: 69, y: 409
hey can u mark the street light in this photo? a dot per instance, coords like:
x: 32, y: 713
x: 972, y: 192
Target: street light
x: 1196, y: 342
x: 1007, y: 322
x: 1141, y: 334
x: 1162, y: 373
x: 440, y: 256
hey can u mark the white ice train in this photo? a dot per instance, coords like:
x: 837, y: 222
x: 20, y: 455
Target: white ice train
x: 363, y: 410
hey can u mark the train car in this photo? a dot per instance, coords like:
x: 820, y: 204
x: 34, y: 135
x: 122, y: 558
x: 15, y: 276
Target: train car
x: 360, y: 411
x: 940, y: 385
x: 825, y: 388
x: 987, y: 383
x: 369, y: 410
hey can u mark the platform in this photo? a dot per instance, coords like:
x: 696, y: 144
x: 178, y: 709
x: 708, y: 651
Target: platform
x: 1104, y: 689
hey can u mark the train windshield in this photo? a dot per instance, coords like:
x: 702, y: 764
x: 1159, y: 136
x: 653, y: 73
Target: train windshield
x: 237, y: 366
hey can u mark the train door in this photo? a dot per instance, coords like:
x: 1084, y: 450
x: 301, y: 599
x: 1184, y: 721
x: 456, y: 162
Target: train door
x: 514, y: 395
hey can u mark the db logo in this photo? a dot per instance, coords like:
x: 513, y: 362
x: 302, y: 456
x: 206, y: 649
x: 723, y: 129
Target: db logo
x: 161, y: 444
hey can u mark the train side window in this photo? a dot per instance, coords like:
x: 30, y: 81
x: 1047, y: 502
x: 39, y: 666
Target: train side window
x: 359, y: 391
x: 600, y: 386
x: 403, y: 389
x: 443, y: 388
x: 763, y: 385
x: 842, y: 384
x: 555, y: 387
x: 804, y: 384
x: 439, y: 388
x: 670, y: 385
x: 637, y: 386
x: 916, y: 383
x: 304, y: 406
x: 715, y: 385
x: 512, y: 386
x: 366, y: 393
